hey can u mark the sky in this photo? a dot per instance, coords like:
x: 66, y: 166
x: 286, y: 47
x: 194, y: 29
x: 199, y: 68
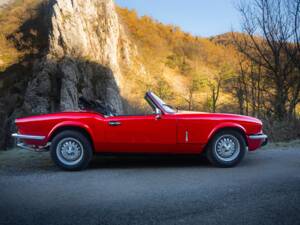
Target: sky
x: 200, y: 17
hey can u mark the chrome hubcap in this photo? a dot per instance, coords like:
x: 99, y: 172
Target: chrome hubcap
x: 227, y: 148
x: 69, y: 151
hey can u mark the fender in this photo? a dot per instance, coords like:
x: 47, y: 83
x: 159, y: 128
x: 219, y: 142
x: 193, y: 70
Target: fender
x: 71, y: 124
x: 226, y: 125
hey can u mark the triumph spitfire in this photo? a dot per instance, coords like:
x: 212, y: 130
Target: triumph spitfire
x: 74, y: 137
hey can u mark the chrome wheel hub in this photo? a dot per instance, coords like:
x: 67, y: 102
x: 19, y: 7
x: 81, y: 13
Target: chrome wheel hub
x: 69, y: 151
x: 227, y: 148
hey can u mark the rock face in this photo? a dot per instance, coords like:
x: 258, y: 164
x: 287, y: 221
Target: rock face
x: 86, y: 45
x: 83, y: 58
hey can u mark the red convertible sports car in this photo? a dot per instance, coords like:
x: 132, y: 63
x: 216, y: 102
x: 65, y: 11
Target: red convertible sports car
x: 73, y: 137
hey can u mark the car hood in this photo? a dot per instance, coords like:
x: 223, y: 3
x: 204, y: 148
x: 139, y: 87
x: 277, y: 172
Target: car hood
x: 218, y: 116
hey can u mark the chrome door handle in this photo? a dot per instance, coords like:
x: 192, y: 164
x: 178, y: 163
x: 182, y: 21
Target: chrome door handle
x: 114, y: 123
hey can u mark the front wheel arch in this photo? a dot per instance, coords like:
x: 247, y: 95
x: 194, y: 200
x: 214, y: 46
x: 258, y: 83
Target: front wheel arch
x: 237, y: 129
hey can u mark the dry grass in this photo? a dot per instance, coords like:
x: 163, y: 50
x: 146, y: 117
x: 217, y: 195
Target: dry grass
x: 282, y: 131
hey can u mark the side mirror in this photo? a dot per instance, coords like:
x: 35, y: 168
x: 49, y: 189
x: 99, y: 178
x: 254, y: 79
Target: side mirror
x: 158, y: 113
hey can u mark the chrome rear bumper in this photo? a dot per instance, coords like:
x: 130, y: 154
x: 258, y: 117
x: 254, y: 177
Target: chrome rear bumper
x: 28, y: 137
x: 20, y: 144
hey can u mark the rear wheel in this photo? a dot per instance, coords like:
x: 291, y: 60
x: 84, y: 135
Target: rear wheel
x: 71, y: 150
x: 226, y: 149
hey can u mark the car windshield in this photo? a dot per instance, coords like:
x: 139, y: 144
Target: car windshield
x: 166, y: 107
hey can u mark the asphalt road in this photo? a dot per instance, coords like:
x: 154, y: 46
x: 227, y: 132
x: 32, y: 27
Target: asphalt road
x: 264, y: 189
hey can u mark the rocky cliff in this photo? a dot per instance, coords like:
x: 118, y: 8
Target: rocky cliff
x: 83, y: 45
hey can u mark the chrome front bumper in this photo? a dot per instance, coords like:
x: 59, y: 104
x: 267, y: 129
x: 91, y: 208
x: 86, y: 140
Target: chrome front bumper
x: 20, y: 144
x: 262, y: 137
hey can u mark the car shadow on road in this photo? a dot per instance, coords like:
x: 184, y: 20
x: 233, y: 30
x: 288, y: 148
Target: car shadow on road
x: 160, y: 161
x: 146, y: 161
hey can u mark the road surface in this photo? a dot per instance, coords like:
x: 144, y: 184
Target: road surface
x: 263, y: 189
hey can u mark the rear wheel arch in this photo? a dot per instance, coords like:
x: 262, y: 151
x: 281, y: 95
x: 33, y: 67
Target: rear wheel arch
x: 79, y: 129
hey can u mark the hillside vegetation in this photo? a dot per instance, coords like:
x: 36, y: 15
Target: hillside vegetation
x: 244, y: 73
x: 179, y: 67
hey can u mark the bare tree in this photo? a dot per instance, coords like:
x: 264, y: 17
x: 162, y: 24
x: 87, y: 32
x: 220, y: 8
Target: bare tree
x: 269, y: 30
x: 216, y: 83
x: 192, y: 88
x: 215, y: 86
x: 294, y: 51
x: 240, y: 86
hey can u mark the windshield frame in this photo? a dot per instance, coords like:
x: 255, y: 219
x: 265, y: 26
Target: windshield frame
x: 159, y: 103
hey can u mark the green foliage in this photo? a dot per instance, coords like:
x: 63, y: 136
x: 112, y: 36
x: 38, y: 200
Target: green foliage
x: 185, y: 68
x: 173, y: 61
x: 180, y: 63
x: 163, y: 89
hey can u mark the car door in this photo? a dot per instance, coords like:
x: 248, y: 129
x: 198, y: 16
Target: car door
x: 141, y: 133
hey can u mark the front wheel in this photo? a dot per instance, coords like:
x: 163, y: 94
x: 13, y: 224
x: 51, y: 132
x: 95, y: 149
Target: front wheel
x: 71, y: 150
x: 226, y: 149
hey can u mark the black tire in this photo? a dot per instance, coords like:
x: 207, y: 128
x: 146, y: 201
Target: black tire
x: 219, y: 161
x: 81, y: 142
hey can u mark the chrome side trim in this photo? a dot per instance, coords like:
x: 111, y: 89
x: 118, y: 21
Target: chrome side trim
x: 186, y: 136
x: 258, y: 136
x: 28, y: 137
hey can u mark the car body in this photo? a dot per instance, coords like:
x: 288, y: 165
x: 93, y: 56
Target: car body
x: 165, y: 131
